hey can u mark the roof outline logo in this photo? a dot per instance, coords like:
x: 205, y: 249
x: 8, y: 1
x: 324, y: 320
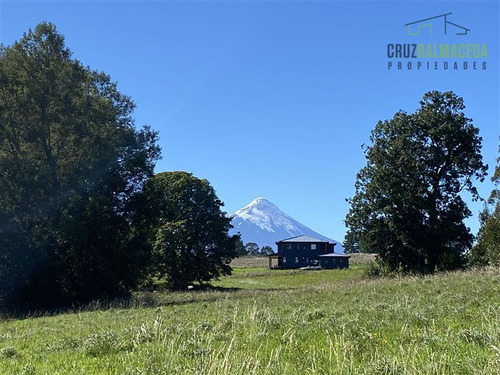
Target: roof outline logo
x: 423, y: 24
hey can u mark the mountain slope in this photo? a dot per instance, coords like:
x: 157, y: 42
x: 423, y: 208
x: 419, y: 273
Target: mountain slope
x: 264, y: 223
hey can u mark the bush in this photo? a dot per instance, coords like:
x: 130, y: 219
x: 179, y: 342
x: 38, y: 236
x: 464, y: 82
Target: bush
x: 373, y: 269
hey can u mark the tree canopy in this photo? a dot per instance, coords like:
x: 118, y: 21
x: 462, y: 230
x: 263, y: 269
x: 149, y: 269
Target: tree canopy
x: 407, y: 205
x: 252, y: 248
x: 187, y: 229
x: 240, y: 247
x: 71, y: 165
x: 266, y: 250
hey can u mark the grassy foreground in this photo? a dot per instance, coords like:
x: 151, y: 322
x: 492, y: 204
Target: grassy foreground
x: 276, y: 322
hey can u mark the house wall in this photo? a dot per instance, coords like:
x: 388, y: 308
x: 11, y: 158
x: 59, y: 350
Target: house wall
x: 333, y: 263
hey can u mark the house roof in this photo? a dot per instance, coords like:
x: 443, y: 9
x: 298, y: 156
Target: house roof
x: 334, y: 255
x: 303, y: 239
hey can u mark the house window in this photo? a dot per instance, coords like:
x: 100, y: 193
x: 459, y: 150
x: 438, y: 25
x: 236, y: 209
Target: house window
x: 288, y: 246
x: 284, y: 259
x: 307, y: 260
x: 313, y: 246
x: 296, y: 260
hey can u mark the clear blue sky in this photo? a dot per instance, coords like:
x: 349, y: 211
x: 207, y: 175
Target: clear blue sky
x: 272, y: 99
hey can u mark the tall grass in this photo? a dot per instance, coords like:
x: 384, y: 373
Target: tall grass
x: 327, y: 322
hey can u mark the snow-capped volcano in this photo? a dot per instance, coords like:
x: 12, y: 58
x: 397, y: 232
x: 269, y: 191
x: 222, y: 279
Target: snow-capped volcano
x: 264, y: 223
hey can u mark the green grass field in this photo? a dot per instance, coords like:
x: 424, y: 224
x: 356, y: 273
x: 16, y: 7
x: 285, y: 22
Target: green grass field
x: 275, y: 322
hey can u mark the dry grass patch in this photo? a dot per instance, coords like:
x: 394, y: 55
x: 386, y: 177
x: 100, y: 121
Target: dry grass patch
x: 262, y: 262
x: 362, y: 258
x: 250, y: 262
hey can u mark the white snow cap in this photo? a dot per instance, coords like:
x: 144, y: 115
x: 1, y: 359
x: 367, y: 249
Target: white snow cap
x: 267, y: 216
x: 264, y: 223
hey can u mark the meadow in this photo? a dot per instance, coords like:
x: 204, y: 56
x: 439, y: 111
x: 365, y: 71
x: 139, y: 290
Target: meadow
x: 259, y: 321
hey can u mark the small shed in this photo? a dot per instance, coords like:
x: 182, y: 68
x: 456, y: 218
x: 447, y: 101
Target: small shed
x: 333, y: 260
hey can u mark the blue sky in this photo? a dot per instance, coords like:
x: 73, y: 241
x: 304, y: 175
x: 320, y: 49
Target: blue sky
x: 273, y: 99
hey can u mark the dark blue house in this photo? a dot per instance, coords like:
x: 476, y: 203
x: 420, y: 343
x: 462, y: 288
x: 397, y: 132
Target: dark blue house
x: 303, y: 251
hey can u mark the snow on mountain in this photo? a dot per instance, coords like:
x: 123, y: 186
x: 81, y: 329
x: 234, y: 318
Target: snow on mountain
x: 264, y: 223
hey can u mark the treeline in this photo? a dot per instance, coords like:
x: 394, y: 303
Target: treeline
x: 252, y: 248
x: 82, y: 216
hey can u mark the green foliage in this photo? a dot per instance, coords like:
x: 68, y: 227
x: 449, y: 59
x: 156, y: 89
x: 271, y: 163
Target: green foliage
x: 352, y: 244
x: 266, y: 250
x: 240, y: 248
x: 407, y: 206
x: 188, y: 231
x: 71, y: 165
x: 8, y: 352
x: 487, y: 248
x: 373, y: 269
x: 252, y: 248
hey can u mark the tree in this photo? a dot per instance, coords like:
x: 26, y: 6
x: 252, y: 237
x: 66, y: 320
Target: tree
x: 240, y: 248
x: 266, y: 250
x: 188, y: 231
x: 407, y: 205
x: 487, y: 248
x: 351, y: 244
x: 71, y: 166
x: 252, y: 248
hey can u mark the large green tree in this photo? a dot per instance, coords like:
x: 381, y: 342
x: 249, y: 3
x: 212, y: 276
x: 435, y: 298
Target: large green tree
x: 71, y: 165
x: 188, y: 231
x: 407, y: 205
